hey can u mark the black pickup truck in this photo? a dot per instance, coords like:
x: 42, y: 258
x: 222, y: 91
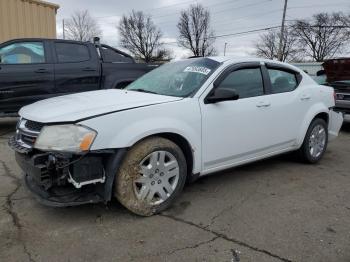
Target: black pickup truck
x: 35, y: 69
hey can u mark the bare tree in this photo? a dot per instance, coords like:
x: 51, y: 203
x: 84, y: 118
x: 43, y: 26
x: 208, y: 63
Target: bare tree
x: 324, y: 36
x: 164, y: 54
x: 267, y: 45
x: 82, y: 27
x: 195, y: 32
x: 141, y: 37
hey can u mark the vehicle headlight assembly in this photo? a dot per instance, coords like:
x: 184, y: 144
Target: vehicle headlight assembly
x: 68, y: 138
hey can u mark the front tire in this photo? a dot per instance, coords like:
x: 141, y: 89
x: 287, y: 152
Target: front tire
x: 151, y: 176
x: 315, y: 141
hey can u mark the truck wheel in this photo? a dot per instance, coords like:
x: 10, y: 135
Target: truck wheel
x: 315, y: 141
x: 151, y: 176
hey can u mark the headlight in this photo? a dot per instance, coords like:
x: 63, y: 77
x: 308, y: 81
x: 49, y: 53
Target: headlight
x: 69, y: 138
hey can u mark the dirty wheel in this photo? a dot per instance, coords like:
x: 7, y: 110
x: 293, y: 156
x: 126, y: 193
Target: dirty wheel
x: 151, y: 176
x: 315, y: 141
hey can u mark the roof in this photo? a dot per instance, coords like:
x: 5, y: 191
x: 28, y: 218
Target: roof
x: 43, y: 39
x: 241, y: 59
x: 43, y: 3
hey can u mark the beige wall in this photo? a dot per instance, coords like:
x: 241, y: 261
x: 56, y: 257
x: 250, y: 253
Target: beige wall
x: 26, y: 19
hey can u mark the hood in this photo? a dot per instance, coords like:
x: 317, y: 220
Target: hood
x: 78, y: 106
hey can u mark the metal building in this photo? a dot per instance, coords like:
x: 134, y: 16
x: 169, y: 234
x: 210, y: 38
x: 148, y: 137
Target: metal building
x: 310, y: 67
x: 27, y: 18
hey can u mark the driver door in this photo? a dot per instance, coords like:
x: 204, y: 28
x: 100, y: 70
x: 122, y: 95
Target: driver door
x: 26, y: 74
x: 236, y: 131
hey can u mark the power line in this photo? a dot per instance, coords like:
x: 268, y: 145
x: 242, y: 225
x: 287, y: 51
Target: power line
x: 227, y: 10
x: 206, y: 6
x: 220, y: 24
x: 321, y: 5
x: 220, y: 11
x: 250, y: 28
x: 248, y: 16
x: 176, y: 12
x: 237, y: 33
x: 191, y: 2
x: 230, y: 19
x: 255, y: 31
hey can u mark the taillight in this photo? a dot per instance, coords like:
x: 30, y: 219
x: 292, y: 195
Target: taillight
x: 334, y: 96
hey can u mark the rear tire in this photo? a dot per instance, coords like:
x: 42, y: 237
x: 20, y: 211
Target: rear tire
x: 315, y: 142
x: 151, y: 176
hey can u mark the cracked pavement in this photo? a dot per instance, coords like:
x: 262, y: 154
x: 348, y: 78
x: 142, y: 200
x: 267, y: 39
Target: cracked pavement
x: 273, y: 210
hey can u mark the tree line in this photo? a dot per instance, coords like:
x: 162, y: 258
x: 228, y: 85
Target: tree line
x: 322, y: 36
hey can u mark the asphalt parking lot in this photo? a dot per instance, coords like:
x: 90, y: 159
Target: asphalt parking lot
x: 273, y: 210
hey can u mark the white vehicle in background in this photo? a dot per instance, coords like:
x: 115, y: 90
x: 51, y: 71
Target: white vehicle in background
x: 182, y: 120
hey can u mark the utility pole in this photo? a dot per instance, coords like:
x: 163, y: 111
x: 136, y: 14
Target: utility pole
x: 225, y: 49
x: 63, y: 30
x: 280, y: 55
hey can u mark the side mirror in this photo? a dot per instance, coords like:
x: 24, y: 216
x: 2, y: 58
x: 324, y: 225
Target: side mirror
x: 220, y: 95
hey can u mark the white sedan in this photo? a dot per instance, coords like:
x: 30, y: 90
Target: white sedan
x: 182, y: 120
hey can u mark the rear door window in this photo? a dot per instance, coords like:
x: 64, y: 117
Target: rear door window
x: 282, y: 81
x: 71, y: 52
x: 23, y: 53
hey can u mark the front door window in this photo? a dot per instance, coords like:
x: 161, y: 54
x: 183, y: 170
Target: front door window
x: 23, y: 53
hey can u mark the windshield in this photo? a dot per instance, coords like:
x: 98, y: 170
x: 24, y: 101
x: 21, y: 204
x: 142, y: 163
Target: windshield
x: 180, y: 79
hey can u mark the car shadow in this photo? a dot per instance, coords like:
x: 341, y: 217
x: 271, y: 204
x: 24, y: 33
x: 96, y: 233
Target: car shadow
x: 202, y: 185
x: 253, y: 169
x: 7, y: 125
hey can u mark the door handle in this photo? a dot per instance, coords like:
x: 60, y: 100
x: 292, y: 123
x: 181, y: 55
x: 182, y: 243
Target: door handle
x: 41, y: 71
x: 89, y: 69
x: 305, y: 97
x: 263, y: 104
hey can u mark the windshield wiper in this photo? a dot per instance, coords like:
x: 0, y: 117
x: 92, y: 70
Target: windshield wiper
x: 144, y: 91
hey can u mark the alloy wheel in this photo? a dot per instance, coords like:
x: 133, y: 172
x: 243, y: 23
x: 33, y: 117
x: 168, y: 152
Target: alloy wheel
x: 317, y: 141
x: 158, y: 177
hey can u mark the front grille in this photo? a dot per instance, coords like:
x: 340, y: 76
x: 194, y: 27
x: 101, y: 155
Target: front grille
x: 34, y: 126
x: 343, y: 96
x: 27, y: 132
x: 27, y: 139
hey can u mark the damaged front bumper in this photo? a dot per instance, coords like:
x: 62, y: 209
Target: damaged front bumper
x: 63, y: 179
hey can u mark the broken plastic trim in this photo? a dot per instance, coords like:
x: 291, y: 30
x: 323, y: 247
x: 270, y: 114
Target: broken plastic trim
x: 92, y: 181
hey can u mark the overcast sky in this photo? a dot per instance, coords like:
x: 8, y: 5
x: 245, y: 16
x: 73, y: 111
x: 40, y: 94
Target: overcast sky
x: 227, y: 16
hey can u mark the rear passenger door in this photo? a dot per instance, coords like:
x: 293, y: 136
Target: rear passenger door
x: 289, y: 103
x: 77, y: 67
